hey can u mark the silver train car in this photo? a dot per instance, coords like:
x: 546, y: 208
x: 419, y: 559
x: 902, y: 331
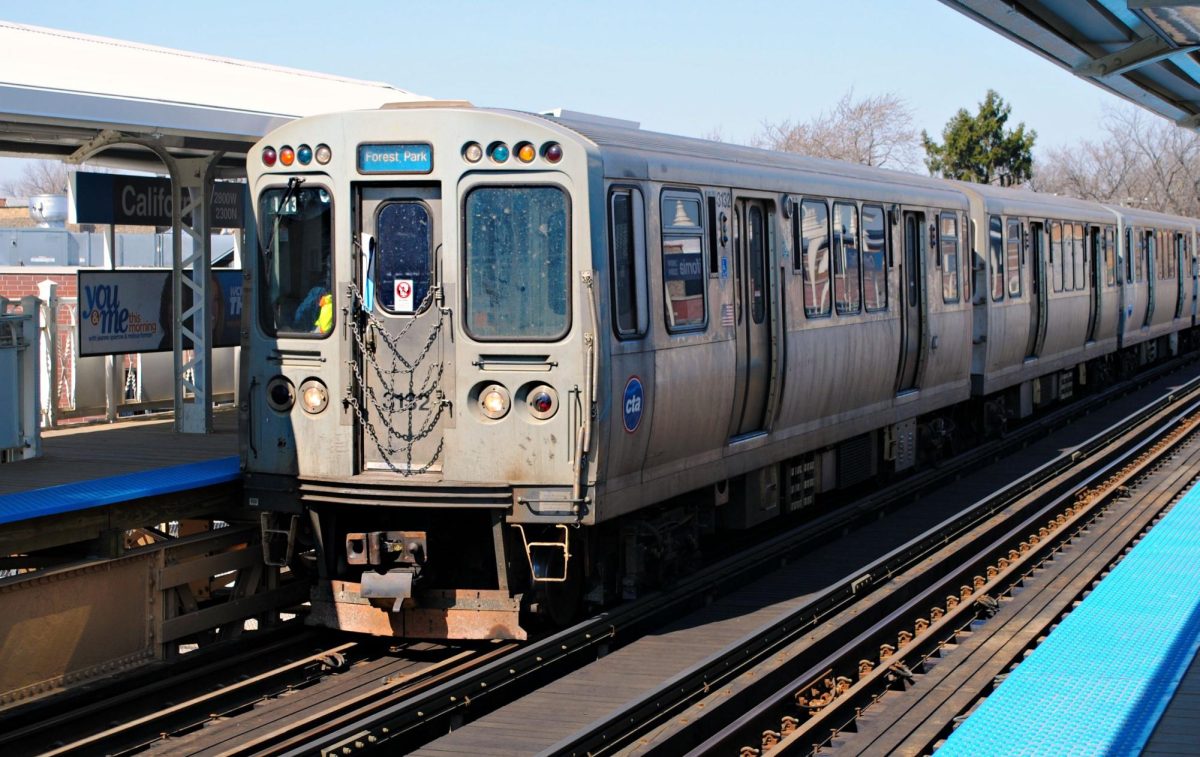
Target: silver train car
x: 490, y: 350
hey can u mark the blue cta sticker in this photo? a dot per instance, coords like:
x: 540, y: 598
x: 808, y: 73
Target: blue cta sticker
x: 631, y: 404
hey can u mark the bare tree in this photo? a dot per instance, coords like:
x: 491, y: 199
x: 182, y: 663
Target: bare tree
x: 875, y: 131
x: 1141, y: 160
x: 42, y: 177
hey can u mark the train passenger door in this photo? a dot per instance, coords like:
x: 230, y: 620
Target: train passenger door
x: 1096, y: 279
x: 1038, y: 300
x: 400, y: 380
x: 1147, y: 253
x: 753, y: 248
x: 912, y: 323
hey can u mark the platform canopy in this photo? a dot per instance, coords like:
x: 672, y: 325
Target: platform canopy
x: 60, y: 90
x: 1145, y: 51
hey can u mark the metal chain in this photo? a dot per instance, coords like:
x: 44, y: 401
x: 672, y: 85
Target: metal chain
x: 399, y: 439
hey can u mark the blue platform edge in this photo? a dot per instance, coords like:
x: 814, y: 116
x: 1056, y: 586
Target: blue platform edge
x: 53, y: 500
x: 1100, y: 682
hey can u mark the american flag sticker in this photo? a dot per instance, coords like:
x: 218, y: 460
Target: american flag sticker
x: 727, y: 314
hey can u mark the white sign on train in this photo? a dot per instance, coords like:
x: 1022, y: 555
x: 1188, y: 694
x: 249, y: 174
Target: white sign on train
x: 404, y: 295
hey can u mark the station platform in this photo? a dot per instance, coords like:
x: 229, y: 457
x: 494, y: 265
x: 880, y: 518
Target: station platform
x: 1118, y: 676
x: 87, y: 471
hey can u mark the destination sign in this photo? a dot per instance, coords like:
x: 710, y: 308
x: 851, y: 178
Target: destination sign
x: 395, y: 158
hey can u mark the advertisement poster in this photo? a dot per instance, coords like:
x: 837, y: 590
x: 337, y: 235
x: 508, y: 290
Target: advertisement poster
x: 130, y: 311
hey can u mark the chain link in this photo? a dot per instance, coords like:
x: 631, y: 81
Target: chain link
x: 403, y: 396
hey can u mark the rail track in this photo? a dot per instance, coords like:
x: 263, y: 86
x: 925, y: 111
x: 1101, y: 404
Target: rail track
x: 799, y: 686
x: 349, y: 698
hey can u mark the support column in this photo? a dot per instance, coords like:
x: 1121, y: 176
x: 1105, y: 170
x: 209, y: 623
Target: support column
x: 191, y: 190
x: 48, y: 294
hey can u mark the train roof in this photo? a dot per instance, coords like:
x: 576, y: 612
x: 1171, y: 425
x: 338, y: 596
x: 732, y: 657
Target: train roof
x: 1144, y: 217
x: 1025, y: 202
x: 613, y: 134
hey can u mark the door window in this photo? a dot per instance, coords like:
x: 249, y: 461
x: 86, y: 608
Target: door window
x: 403, y: 250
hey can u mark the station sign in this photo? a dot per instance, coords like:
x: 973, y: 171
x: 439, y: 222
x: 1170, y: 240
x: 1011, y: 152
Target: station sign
x: 395, y: 158
x: 122, y: 312
x: 146, y: 201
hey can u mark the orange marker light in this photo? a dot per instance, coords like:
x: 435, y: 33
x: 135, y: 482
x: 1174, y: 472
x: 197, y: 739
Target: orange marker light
x: 287, y: 155
x: 525, y: 152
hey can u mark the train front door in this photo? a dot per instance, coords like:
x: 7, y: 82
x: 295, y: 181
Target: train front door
x: 401, y: 381
x: 1038, y: 300
x: 753, y: 221
x: 911, y: 278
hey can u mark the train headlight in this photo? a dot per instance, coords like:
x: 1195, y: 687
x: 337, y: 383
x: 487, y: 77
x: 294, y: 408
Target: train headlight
x: 542, y: 401
x: 281, y: 395
x: 324, y: 154
x: 313, y: 397
x: 494, y: 401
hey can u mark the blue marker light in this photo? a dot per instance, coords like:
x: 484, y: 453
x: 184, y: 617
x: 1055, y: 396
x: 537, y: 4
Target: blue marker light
x: 304, y: 154
x: 499, y: 152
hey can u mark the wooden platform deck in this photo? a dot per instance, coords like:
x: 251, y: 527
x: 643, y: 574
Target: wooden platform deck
x: 85, y: 453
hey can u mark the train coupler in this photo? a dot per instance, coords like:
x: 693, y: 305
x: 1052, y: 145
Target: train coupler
x: 395, y: 585
x: 383, y: 548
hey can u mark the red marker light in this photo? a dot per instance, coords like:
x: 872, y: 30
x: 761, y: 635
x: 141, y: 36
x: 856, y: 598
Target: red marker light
x: 287, y: 155
x: 552, y: 152
x: 542, y: 402
x: 268, y: 156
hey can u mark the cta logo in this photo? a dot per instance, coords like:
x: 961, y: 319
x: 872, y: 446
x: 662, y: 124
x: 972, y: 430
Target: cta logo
x: 632, y: 404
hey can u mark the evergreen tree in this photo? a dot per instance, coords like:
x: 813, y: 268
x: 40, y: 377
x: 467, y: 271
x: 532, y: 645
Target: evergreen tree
x: 977, y: 148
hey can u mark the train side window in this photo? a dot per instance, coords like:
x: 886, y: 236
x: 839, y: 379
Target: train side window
x: 846, y: 292
x: 714, y: 249
x: 1180, y: 255
x: 683, y: 261
x: 814, y: 257
x: 1110, y: 257
x: 1081, y: 257
x: 874, y: 259
x: 1014, y: 249
x: 627, y: 245
x: 1129, y: 255
x: 1146, y: 251
x: 948, y: 248
x: 1056, y: 256
x: 996, y: 253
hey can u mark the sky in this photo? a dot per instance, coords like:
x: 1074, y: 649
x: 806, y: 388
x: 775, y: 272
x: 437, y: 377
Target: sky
x: 680, y: 67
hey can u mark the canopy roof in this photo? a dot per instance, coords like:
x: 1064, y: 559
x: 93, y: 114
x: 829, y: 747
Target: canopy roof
x: 60, y: 90
x: 1145, y: 51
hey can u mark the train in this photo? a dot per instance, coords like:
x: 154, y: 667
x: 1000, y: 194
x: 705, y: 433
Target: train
x: 501, y: 365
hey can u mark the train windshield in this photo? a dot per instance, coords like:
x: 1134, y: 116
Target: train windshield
x: 517, y: 253
x: 295, y: 231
